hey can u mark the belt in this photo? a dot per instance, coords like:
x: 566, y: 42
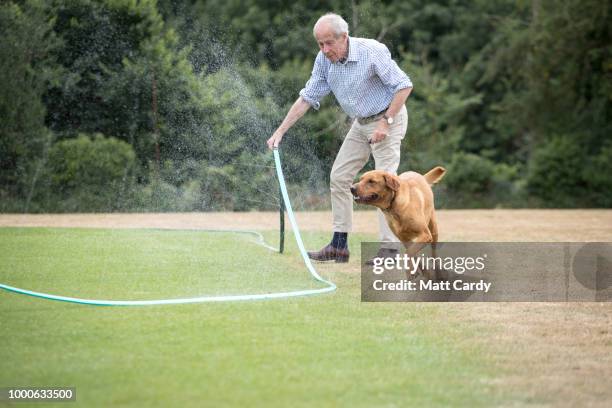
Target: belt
x: 373, y: 118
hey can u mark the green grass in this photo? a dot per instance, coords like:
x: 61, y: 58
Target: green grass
x: 325, y: 350
x: 137, y: 264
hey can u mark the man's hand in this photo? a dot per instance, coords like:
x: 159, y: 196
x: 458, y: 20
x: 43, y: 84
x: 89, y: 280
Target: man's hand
x: 381, y: 131
x: 274, y: 141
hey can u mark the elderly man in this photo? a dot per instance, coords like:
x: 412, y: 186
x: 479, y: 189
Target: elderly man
x: 371, y: 88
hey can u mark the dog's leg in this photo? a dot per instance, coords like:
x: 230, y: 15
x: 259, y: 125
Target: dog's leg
x: 413, y: 247
x: 424, y: 237
x: 433, y: 227
x: 427, y: 237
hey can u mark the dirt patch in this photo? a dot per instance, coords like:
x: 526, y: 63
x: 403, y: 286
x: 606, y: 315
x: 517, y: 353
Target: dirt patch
x: 555, y: 354
x: 455, y: 225
x: 558, y: 354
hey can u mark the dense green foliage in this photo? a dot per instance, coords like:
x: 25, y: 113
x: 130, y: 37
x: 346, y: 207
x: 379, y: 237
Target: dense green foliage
x: 513, y: 97
x: 89, y: 174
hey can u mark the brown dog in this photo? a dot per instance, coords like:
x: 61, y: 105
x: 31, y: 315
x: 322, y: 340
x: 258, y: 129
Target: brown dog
x: 406, y: 201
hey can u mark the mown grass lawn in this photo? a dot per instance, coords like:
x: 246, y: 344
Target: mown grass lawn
x: 327, y: 350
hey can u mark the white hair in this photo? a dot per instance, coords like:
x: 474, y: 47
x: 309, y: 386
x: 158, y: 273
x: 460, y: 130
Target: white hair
x: 336, y: 23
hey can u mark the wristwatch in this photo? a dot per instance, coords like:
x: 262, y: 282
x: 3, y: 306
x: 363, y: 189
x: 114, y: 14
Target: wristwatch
x: 388, y: 119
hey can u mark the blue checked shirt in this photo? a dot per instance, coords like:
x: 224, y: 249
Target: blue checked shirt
x: 364, y: 84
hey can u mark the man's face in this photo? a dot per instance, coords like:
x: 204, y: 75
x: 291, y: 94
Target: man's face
x: 334, y: 47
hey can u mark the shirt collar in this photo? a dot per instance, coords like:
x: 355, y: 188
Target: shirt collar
x: 352, y: 52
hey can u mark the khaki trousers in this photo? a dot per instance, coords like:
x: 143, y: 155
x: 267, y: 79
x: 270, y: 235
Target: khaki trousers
x: 351, y: 158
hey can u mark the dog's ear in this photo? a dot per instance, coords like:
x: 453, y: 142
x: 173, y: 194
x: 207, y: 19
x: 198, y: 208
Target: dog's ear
x: 392, y: 181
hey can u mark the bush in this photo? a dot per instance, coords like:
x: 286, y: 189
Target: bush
x: 217, y: 188
x: 556, y: 173
x: 90, y: 173
x: 247, y: 183
x: 156, y: 196
x: 474, y: 181
x: 598, y: 176
x: 469, y: 174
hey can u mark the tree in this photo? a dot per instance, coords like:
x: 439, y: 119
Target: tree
x: 27, y: 68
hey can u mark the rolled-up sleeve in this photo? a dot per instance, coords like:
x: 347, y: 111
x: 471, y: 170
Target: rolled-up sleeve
x: 317, y: 87
x: 389, y: 72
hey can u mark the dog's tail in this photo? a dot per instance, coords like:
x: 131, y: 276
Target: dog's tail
x: 434, y: 175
